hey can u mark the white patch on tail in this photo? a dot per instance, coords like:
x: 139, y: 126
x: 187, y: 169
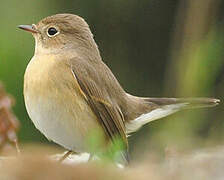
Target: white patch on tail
x: 155, y: 114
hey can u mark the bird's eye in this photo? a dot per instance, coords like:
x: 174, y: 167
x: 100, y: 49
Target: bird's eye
x: 52, y: 31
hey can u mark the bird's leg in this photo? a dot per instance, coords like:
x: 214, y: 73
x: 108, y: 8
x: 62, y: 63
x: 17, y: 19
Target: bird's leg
x: 65, y: 156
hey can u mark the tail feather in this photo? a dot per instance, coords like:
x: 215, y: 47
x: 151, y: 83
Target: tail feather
x: 192, y: 102
x: 167, y: 106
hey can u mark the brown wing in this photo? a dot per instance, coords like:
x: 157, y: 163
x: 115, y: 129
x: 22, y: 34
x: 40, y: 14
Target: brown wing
x: 96, y: 94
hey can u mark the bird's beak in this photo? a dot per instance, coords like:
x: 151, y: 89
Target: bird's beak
x: 30, y: 28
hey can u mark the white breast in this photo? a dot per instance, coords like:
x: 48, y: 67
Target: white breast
x: 55, y: 105
x: 55, y: 123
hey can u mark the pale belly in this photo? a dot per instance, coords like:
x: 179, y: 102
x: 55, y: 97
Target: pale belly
x: 56, y: 106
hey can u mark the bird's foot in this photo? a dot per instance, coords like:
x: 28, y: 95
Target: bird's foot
x: 65, y: 156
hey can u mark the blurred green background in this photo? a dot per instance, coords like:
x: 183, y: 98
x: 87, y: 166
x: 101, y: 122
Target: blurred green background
x: 155, y: 48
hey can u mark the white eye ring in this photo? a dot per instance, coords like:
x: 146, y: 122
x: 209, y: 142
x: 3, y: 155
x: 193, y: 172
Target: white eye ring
x: 52, y: 31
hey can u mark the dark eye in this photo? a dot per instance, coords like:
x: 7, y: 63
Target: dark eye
x: 52, y: 31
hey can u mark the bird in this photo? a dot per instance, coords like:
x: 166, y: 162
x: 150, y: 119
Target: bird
x: 70, y: 92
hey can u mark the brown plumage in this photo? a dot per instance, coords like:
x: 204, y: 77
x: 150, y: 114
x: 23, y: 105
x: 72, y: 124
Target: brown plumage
x: 69, y: 90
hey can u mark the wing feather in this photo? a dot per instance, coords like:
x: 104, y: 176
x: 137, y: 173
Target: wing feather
x: 107, y: 111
